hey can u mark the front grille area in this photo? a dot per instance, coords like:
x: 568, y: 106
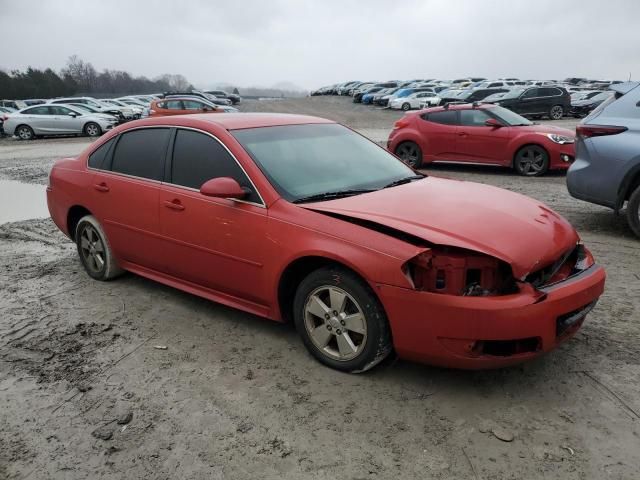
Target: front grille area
x: 570, y: 321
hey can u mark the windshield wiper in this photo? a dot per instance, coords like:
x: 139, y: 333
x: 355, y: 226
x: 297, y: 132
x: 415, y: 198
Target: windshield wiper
x: 333, y: 195
x: 404, y: 180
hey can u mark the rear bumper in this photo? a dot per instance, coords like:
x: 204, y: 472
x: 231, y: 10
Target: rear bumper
x: 457, y: 332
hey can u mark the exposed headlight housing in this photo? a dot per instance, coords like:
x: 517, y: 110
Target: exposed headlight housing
x: 561, y: 139
x: 460, y: 272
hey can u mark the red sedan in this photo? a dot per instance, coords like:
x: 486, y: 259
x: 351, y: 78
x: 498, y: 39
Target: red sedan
x: 481, y: 134
x: 275, y: 215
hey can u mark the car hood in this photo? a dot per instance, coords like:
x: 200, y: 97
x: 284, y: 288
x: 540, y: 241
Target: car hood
x: 511, y: 227
x: 540, y: 128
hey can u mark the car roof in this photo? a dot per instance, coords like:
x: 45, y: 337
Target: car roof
x: 463, y: 106
x: 236, y: 121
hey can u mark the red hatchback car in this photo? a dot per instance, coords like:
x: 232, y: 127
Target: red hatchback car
x: 481, y: 134
x: 274, y: 214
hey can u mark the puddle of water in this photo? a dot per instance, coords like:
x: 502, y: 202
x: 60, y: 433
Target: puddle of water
x: 22, y: 201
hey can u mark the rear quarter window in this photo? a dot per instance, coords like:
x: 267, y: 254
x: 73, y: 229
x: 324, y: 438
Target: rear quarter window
x: 98, y: 157
x: 446, y: 117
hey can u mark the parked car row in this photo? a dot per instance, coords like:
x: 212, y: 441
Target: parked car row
x: 531, y: 98
x: 27, y: 119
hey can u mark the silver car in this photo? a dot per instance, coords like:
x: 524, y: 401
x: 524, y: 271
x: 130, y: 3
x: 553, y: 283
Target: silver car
x: 49, y: 119
x: 125, y: 113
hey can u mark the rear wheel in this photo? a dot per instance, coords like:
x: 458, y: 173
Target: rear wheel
x: 410, y: 153
x: 25, y: 132
x: 633, y: 211
x: 92, y: 129
x: 341, y: 321
x: 531, y: 161
x: 556, y: 112
x: 94, y: 250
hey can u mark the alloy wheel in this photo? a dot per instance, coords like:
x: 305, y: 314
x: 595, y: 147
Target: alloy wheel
x: 25, y: 133
x: 92, y: 249
x: 556, y: 112
x: 335, y: 323
x: 409, y: 153
x: 92, y: 130
x: 531, y: 161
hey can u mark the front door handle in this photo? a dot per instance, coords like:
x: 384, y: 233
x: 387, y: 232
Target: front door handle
x: 174, y: 204
x: 101, y: 187
x: 462, y: 134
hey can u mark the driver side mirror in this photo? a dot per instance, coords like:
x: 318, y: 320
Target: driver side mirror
x: 72, y: 114
x: 492, y: 122
x: 222, y: 187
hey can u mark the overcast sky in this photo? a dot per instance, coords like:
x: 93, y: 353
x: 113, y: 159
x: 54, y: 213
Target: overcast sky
x: 311, y: 43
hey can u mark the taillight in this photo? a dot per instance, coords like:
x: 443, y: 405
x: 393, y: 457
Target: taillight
x: 588, y: 131
x: 401, y: 123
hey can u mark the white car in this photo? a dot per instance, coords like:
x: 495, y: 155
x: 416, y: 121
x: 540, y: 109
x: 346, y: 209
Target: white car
x: 410, y: 102
x: 50, y: 119
x: 123, y: 112
x: 429, y: 101
x: 136, y: 109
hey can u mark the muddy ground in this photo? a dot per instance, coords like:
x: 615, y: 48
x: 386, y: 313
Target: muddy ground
x: 85, y: 392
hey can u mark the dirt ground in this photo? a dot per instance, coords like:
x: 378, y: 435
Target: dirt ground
x: 85, y: 392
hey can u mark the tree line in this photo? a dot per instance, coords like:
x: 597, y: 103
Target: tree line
x: 80, y: 77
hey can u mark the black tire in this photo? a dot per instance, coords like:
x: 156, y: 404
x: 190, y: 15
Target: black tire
x: 92, y: 129
x: 406, y: 107
x: 556, y: 112
x: 410, y: 153
x: 25, y: 132
x: 371, y: 347
x: 633, y: 211
x: 89, y: 233
x: 531, y: 161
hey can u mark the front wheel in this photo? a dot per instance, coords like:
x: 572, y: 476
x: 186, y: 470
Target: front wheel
x: 633, y: 211
x: 406, y: 107
x: 92, y: 129
x: 341, y: 321
x: 94, y: 250
x: 556, y: 112
x: 410, y: 153
x: 531, y: 161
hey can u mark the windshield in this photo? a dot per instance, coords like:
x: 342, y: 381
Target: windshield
x: 510, y: 118
x: 305, y: 160
x: 82, y: 108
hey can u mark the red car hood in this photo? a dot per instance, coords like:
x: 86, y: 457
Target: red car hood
x: 506, y: 225
x: 547, y: 129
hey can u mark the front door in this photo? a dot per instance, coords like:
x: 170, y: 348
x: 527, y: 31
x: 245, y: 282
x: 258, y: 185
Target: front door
x: 216, y: 243
x: 478, y: 142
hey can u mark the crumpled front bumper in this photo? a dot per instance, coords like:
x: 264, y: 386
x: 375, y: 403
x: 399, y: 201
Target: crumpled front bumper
x: 451, y: 331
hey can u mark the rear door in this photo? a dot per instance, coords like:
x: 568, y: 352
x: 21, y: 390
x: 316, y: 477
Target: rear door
x: 38, y: 118
x: 217, y: 243
x: 126, y: 191
x: 478, y: 142
x: 439, y: 133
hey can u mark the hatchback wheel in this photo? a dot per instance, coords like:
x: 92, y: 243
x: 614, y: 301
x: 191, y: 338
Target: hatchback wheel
x: 410, y: 153
x: 341, y: 321
x: 531, y: 161
x: 94, y: 250
x: 556, y: 112
x: 406, y: 107
x: 25, y: 132
x: 92, y: 129
x: 633, y: 211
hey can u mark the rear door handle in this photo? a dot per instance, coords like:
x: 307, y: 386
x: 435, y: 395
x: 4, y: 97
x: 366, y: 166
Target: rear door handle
x: 462, y: 134
x: 101, y: 187
x: 174, y: 204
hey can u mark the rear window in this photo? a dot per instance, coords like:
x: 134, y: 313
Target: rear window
x: 446, y: 117
x: 141, y: 153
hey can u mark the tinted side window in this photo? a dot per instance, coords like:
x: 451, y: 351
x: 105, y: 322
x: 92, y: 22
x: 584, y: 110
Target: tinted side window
x: 192, y: 105
x: 446, y: 117
x: 97, y: 158
x: 473, y: 118
x: 58, y: 110
x: 174, y: 105
x: 531, y: 93
x: 198, y: 157
x: 141, y: 153
x: 37, y: 111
